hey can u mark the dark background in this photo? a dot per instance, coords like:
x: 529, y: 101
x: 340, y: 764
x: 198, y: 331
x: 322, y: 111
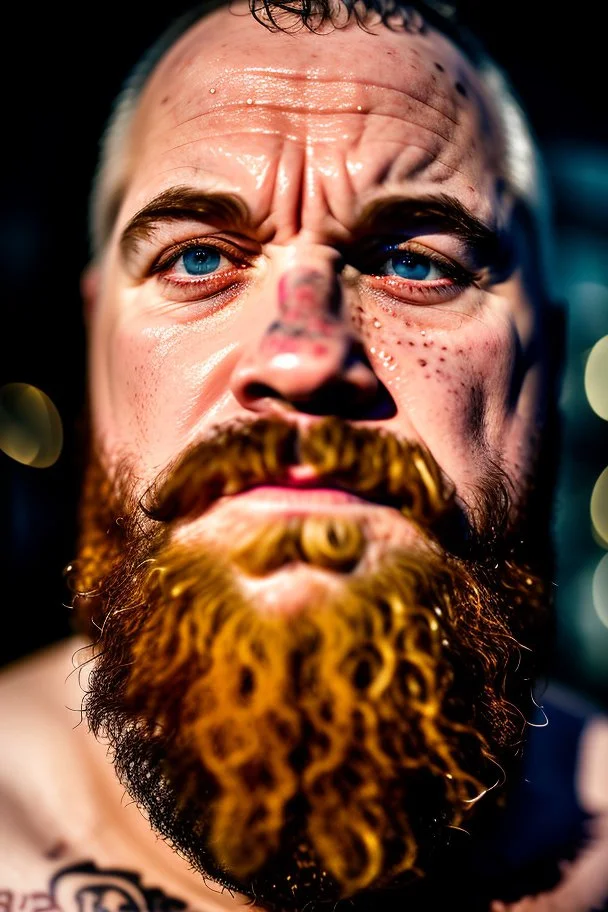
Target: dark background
x: 60, y: 80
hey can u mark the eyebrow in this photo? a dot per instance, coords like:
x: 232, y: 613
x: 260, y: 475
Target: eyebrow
x: 184, y: 203
x: 441, y: 213
x: 393, y: 214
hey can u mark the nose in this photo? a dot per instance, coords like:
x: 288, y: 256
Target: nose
x: 308, y: 357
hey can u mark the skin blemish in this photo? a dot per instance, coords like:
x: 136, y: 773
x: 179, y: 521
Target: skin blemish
x: 442, y: 359
x: 165, y: 100
x: 422, y: 362
x: 444, y: 348
x: 411, y: 343
x: 56, y: 851
x: 461, y: 89
x: 439, y: 67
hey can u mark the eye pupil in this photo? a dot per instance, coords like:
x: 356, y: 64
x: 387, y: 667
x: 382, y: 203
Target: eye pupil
x: 411, y: 266
x: 201, y: 260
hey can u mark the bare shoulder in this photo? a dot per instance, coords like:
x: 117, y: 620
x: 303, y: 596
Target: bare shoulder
x: 593, y: 767
x: 39, y: 714
x: 40, y: 696
x: 69, y: 836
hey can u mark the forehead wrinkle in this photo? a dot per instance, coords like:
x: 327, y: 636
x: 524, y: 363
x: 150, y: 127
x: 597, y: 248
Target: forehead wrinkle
x: 303, y: 143
x: 421, y: 168
x: 299, y: 115
x: 312, y: 107
x: 297, y: 120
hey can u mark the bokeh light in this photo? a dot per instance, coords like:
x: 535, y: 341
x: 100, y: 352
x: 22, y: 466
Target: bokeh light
x: 30, y: 426
x: 596, y: 378
x: 600, y: 590
x: 599, y: 509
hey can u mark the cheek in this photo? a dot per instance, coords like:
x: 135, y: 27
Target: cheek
x: 143, y: 389
x: 454, y: 394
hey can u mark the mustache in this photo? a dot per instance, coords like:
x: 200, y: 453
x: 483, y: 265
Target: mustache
x: 374, y: 464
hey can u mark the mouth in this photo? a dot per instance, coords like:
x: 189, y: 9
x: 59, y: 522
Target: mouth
x: 301, y: 490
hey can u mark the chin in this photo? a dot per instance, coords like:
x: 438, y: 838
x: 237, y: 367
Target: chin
x: 290, y: 590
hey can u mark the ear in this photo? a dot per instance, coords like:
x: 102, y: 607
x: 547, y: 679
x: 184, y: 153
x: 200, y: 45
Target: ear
x: 89, y: 289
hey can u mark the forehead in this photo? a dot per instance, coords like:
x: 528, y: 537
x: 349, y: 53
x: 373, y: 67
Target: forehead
x: 231, y: 100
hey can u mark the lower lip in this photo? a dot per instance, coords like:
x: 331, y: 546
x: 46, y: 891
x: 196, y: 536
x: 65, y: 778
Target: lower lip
x: 299, y: 499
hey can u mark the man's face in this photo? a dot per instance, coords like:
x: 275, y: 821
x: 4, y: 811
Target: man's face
x: 315, y: 232
x: 344, y: 291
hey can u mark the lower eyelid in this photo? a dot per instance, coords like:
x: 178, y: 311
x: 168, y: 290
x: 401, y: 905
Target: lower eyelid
x: 411, y: 292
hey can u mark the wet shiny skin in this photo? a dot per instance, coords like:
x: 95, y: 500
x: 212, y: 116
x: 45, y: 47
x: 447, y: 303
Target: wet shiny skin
x: 308, y: 130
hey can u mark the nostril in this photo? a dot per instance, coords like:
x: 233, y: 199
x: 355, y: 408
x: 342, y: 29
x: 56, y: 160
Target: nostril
x: 255, y: 390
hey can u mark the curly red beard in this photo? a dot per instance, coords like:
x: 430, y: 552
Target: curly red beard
x: 323, y: 754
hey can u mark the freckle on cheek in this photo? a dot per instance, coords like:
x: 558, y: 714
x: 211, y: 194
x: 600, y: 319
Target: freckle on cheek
x: 421, y: 362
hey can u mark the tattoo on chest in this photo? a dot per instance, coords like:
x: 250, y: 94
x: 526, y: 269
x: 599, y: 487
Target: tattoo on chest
x: 86, y: 888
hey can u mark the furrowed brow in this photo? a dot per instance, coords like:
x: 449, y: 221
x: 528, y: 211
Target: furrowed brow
x: 433, y: 214
x: 181, y: 203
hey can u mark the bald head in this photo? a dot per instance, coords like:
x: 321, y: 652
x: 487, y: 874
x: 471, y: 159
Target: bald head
x: 189, y: 36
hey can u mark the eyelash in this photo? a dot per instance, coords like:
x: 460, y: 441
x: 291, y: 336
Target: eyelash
x: 222, y: 282
x: 454, y: 280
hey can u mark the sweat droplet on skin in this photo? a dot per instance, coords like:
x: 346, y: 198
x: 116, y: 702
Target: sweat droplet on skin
x: 377, y: 324
x: 212, y: 91
x: 250, y: 101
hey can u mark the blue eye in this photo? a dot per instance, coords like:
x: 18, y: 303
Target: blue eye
x: 412, y: 266
x: 201, y: 260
